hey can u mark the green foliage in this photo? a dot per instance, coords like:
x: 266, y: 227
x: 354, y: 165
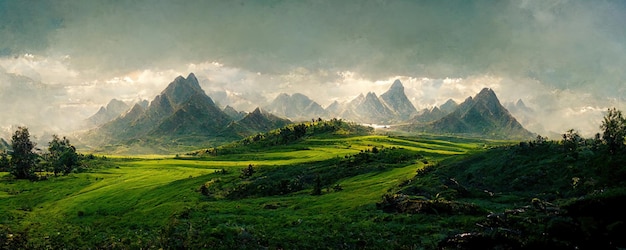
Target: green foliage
x: 4, y: 161
x: 247, y: 172
x: 542, y: 194
x: 62, y: 155
x: 23, y: 158
x: 614, y: 130
x: 289, y: 134
x: 571, y: 141
x: 317, y: 187
x: 440, y: 192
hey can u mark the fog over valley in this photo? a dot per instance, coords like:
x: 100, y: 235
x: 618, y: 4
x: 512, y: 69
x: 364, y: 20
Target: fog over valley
x: 61, y: 61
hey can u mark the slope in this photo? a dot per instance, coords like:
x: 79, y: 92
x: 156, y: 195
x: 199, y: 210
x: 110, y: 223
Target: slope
x: 482, y: 116
x: 159, y: 202
x: 395, y: 99
x: 256, y: 122
x: 182, y: 114
x: 107, y: 113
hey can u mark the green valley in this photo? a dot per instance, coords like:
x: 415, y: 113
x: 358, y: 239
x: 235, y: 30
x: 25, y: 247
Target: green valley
x: 329, y: 184
x: 157, y: 202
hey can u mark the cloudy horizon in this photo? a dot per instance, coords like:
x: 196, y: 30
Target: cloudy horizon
x: 563, y: 58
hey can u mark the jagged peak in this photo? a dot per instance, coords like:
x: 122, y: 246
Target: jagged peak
x: 397, y: 85
x: 257, y: 111
x: 371, y: 95
x: 299, y: 95
x: 192, y: 76
x: 135, y: 110
x: 486, y: 93
x: 520, y: 103
x: 449, y: 102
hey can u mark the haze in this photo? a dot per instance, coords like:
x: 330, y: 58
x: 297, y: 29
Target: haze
x: 61, y: 60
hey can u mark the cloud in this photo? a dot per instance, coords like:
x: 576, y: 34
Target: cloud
x: 565, y: 42
x: 554, y: 54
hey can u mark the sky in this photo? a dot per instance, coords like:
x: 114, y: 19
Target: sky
x: 563, y: 58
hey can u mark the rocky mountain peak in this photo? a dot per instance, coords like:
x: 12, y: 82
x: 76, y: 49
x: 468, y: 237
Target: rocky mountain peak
x: 182, y: 88
x: 397, y: 86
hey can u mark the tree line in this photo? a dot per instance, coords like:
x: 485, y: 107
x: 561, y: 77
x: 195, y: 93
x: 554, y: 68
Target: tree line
x: 24, y: 161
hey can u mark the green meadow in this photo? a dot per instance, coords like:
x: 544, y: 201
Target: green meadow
x: 155, y: 201
x: 328, y: 190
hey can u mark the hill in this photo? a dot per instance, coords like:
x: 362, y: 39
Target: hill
x: 331, y: 189
x: 257, y: 198
x: 289, y: 134
x: 537, y: 195
x: 482, y: 116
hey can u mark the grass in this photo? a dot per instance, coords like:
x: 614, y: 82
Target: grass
x: 153, y: 201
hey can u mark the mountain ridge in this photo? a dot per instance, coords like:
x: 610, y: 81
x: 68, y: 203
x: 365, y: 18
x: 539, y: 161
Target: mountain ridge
x: 481, y: 115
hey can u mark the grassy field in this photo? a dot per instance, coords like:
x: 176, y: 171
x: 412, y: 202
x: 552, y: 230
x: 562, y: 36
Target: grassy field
x: 155, y: 201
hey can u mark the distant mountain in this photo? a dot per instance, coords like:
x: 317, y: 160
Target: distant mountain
x: 528, y: 118
x: 435, y: 113
x: 429, y: 115
x: 233, y: 113
x: 334, y: 109
x: 297, y: 107
x: 395, y: 99
x: 4, y: 145
x: 257, y: 121
x: 368, y: 109
x: 182, y: 111
x: 239, y: 101
x: 106, y: 114
x: 482, y: 115
x: 448, y: 107
x: 391, y: 107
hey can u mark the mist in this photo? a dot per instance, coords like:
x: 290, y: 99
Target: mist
x: 60, y: 61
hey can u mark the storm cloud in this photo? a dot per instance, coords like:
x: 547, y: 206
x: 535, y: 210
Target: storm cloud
x: 321, y: 47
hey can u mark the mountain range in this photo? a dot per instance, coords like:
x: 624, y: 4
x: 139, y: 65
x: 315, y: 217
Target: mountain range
x: 297, y: 107
x: 482, y: 115
x: 183, y: 113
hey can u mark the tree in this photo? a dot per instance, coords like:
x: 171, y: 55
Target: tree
x: 247, y: 172
x: 23, y: 158
x: 571, y: 140
x: 317, y: 187
x: 62, y: 155
x: 614, y: 130
x: 4, y: 161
